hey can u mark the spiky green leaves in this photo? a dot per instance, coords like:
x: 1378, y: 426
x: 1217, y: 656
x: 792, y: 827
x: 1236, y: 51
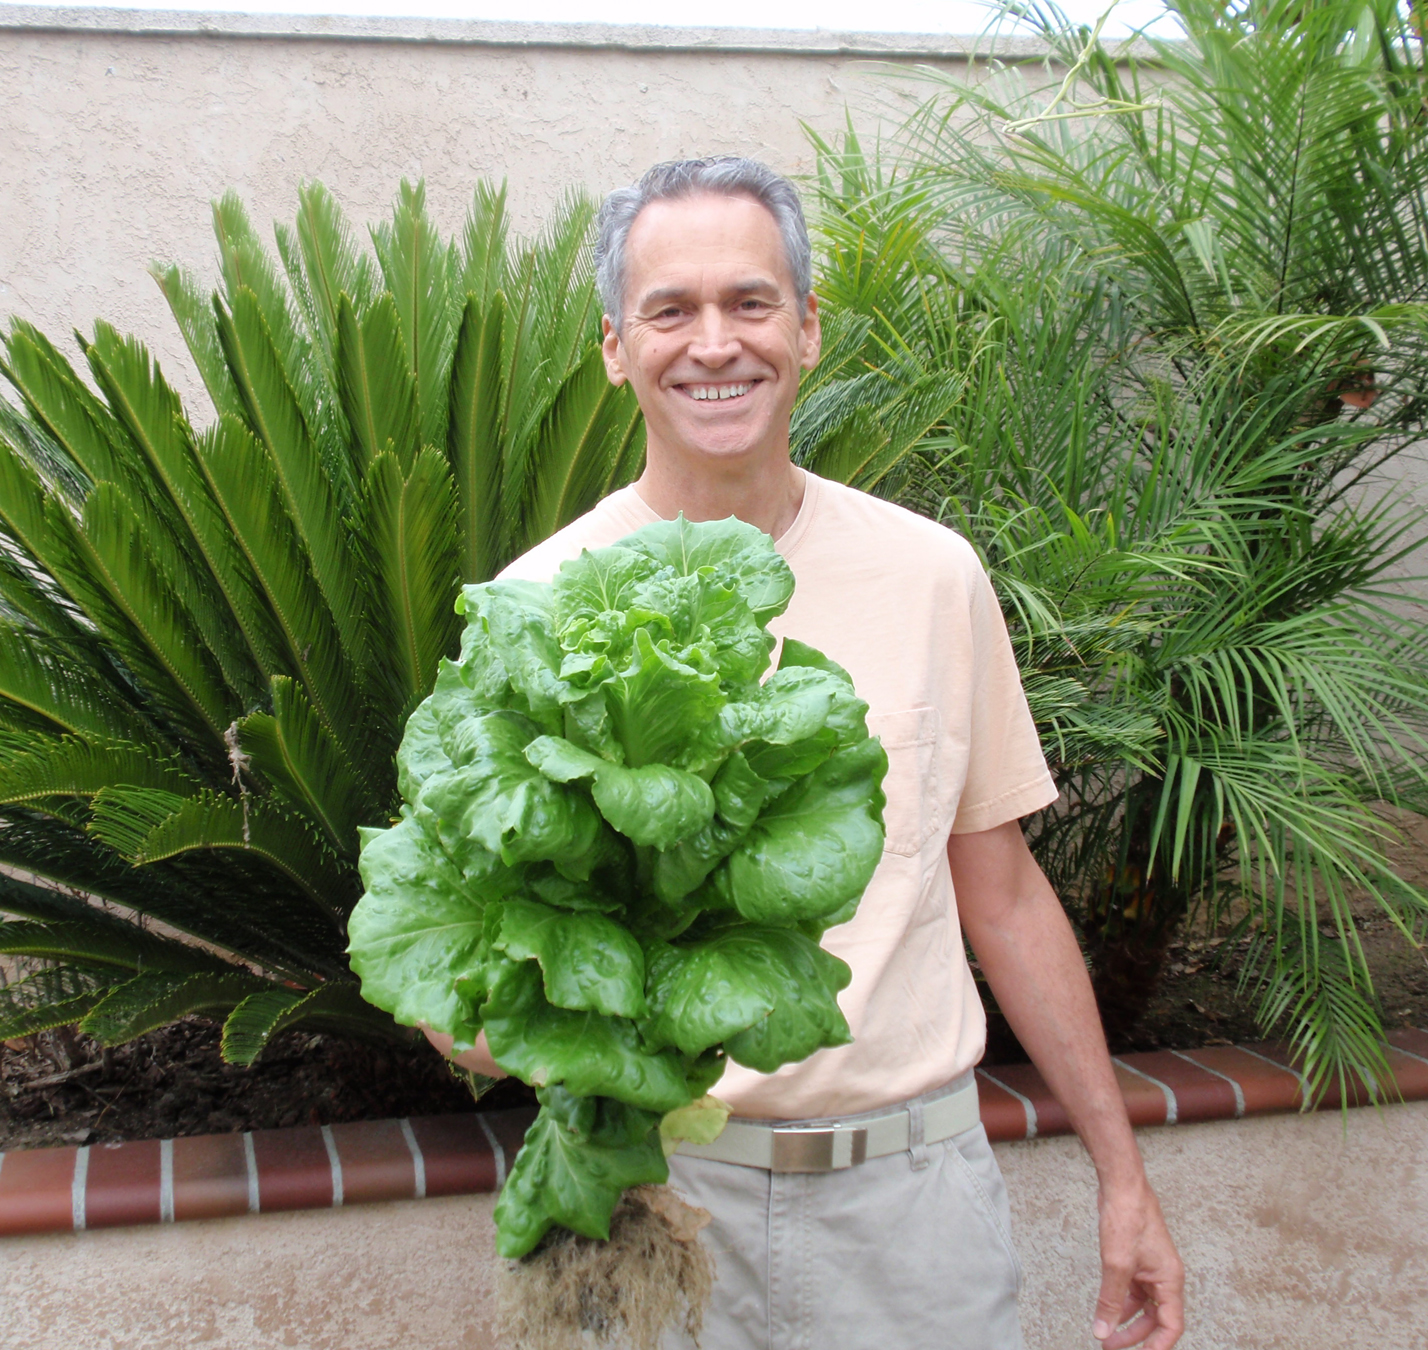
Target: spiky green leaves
x: 209, y: 642
x: 602, y: 796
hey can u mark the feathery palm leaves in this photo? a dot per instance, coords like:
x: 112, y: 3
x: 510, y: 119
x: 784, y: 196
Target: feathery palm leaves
x: 1162, y: 284
x: 210, y: 638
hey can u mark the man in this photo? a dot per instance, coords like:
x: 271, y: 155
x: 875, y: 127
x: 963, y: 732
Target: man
x: 899, y: 1239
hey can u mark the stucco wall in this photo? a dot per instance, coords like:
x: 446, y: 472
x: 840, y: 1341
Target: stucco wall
x: 1299, y: 1233
x: 113, y: 143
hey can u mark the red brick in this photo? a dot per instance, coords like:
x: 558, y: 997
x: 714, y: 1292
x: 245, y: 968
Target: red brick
x: 376, y: 1162
x: 1145, y: 1102
x: 1051, y: 1117
x: 1003, y: 1117
x: 210, y: 1177
x: 1411, y: 1039
x: 457, y: 1155
x: 123, y: 1184
x: 36, y: 1194
x: 293, y: 1169
x: 1265, y: 1087
x: 1199, y: 1094
x: 1358, y: 1093
x: 1412, y: 1075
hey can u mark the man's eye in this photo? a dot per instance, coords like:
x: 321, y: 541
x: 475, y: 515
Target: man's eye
x: 752, y: 305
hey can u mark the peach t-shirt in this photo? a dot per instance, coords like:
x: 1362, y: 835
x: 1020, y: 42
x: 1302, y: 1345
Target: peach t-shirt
x: 905, y: 606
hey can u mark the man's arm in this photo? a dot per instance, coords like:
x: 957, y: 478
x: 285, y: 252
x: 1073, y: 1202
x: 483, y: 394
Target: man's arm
x: 1033, y: 964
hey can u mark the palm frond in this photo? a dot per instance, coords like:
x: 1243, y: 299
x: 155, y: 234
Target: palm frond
x: 337, y: 1006
x: 418, y: 271
x: 154, y: 999
x: 474, y: 444
x: 378, y: 392
x: 296, y: 753
x: 409, y: 545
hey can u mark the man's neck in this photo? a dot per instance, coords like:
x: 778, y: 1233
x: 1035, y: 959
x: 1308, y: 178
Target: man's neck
x: 768, y: 495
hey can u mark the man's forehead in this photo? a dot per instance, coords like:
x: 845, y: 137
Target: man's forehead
x: 669, y: 241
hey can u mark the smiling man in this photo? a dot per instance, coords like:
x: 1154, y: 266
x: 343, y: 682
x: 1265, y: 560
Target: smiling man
x: 856, y: 1202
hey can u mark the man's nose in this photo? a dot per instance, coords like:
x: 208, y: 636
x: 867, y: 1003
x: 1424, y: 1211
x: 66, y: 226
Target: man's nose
x: 714, y: 341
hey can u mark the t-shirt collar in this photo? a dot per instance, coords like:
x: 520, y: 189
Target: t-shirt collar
x: 629, y: 502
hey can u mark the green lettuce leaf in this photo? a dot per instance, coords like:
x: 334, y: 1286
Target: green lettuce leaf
x: 817, y: 845
x: 418, y: 930
x: 654, y: 805
x: 514, y: 617
x: 768, y: 994
x: 579, y: 1157
x: 656, y: 700
x: 590, y: 1054
x: 420, y: 754
x: 498, y: 798
x: 745, y: 552
x: 587, y: 962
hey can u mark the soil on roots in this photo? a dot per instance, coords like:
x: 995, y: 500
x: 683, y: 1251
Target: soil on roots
x: 651, y: 1276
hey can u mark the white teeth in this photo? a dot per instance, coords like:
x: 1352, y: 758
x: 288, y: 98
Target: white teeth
x: 717, y: 391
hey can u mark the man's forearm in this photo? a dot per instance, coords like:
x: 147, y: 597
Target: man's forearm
x: 1033, y: 964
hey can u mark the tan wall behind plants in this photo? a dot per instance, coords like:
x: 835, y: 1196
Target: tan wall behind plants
x: 112, y: 143
x: 1299, y: 1232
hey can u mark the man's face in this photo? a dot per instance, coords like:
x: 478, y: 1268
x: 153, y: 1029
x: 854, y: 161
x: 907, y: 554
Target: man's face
x: 712, y: 344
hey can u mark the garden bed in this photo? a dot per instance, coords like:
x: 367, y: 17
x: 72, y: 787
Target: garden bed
x: 61, y: 1088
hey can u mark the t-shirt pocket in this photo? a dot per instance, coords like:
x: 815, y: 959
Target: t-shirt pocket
x: 914, y: 809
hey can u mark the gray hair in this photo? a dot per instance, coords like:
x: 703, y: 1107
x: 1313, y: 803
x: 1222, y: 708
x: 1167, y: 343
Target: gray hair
x: 721, y: 175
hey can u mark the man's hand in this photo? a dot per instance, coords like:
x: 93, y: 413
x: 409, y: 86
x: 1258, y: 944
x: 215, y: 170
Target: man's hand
x: 476, y: 1060
x: 1031, y: 960
x: 1142, y: 1278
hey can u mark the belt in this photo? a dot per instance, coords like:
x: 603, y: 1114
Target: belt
x: 829, y: 1146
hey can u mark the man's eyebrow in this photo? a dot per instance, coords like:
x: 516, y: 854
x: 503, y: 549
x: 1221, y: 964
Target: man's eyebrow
x: 663, y: 295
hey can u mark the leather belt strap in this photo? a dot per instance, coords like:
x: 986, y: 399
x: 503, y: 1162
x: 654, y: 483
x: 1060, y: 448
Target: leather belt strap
x: 834, y: 1145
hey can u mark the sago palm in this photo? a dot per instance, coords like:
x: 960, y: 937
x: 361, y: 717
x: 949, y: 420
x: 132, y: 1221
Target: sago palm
x: 210, y: 637
x: 1186, y: 297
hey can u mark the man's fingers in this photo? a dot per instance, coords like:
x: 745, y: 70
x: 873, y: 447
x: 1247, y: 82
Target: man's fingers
x: 1144, y: 1320
x: 1114, y: 1297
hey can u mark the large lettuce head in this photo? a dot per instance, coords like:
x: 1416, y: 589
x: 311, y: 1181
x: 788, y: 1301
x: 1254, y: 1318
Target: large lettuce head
x: 621, y: 840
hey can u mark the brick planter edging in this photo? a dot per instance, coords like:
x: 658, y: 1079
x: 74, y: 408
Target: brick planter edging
x: 320, y: 1167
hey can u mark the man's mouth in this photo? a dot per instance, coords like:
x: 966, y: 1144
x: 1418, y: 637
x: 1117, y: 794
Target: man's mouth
x: 711, y: 393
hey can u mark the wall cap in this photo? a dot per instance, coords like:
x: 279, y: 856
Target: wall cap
x: 648, y: 38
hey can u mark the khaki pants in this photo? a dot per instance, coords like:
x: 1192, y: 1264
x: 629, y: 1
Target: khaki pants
x: 911, y: 1251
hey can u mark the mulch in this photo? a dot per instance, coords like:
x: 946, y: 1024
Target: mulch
x: 63, y: 1088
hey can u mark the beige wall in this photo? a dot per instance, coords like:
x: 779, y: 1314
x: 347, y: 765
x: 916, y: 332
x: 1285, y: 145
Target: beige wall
x: 112, y: 144
x: 1299, y: 1232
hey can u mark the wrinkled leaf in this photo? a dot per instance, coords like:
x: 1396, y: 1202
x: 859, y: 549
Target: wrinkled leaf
x: 590, y: 1054
x: 655, y: 804
x: 579, y: 1157
x: 417, y: 931
x: 768, y: 994
x: 588, y: 962
x: 817, y: 845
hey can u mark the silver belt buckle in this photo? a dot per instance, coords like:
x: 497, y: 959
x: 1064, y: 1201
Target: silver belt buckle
x: 819, y: 1150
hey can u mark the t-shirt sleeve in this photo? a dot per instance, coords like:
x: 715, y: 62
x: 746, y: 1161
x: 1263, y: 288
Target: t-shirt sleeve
x: 1007, y: 775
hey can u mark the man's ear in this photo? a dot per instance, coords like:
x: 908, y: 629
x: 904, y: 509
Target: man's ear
x: 610, y: 350
x: 812, y: 335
